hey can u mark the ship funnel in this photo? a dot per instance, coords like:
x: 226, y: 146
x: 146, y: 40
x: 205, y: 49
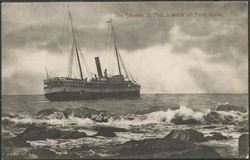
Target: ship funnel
x: 98, y: 67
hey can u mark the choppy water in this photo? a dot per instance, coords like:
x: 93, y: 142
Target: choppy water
x: 151, y: 116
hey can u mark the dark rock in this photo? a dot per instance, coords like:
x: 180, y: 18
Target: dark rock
x: 210, y: 127
x: 6, y: 123
x: 180, y: 121
x: 243, y: 129
x: 107, y: 131
x: 173, y: 106
x: 41, y: 133
x: 14, y: 142
x: 10, y: 115
x: 113, y: 129
x: 228, y: 120
x: 186, y: 135
x: 243, y: 145
x: 6, y: 135
x: 227, y: 107
x: 158, y: 107
x: 70, y: 156
x: 163, y: 148
x: 49, y: 113
x: 86, y: 151
x: 149, y: 146
x: 214, y: 117
x: 217, y: 136
x: 199, y: 152
x: 16, y: 153
x: 83, y: 112
x: 44, y: 153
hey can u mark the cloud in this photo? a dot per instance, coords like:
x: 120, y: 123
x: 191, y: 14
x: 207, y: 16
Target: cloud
x: 22, y: 83
x: 173, y: 54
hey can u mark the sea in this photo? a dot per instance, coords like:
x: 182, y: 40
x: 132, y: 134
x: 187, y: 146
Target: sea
x: 148, y: 117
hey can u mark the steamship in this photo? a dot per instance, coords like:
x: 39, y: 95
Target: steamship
x: 91, y: 86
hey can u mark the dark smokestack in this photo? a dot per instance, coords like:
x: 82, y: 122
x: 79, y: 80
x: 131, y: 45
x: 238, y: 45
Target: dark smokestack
x: 98, y: 67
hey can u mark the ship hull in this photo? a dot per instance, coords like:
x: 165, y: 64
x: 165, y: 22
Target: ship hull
x: 73, y: 96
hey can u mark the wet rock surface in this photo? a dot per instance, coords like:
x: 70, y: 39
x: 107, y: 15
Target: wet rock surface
x: 214, y: 117
x: 217, y: 136
x: 186, y: 135
x: 243, y: 145
x: 14, y: 142
x: 9, y: 115
x: 11, y: 125
x: 169, y: 146
x: 6, y: 123
x: 44, y: 153
x: 180, y: 121
x: 210, y: 127
x: 41, y: 133
x: 192, y: 135
x: 107, y: 131
x: 178, y: 143
x: 17, y: 153
x: 243, y: 129
x: 46, y: 112
x: 113, y: 129
x: 227, y: 107
x: 82, y: 112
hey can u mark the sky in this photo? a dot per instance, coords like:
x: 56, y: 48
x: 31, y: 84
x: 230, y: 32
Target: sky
x: 168, y: 47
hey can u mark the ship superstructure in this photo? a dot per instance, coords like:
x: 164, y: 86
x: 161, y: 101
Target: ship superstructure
x: 101, y: 85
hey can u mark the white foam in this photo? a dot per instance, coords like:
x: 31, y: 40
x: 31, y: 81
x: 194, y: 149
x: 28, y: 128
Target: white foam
x: 158, y: 117
x: 131, y: 120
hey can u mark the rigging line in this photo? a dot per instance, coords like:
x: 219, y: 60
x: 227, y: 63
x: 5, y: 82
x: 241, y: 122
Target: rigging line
x: 107, y: 41
x: 63, y: 28
x: 68, y: 41
x: 78, y: 45
x: 123, y: 65
x: 86, y: 68
x: 108, y: 52
x: 116, y: 49
x: 71, y: 60
x: 63, y: 32
x: 111, y: 50
x: 47, y: 74
x: 113, y: 63
x: 70, y: 54
x: 118, y: 53
x: 132, y: 77
x: 75, y: 71
x: 80, y: 51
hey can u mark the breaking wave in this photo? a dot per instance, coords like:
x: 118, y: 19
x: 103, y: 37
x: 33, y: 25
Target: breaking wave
x: 183, y: 115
